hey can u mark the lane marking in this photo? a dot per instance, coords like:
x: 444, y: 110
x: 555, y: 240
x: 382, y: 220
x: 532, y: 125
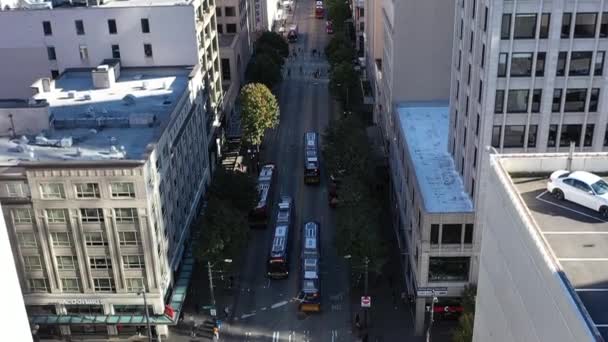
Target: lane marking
x: 247, y: 315
x: 275, y: 336
x: 264, y: 308
x: 574, y: 233
x: 279, y: 304
x: 334, y: 335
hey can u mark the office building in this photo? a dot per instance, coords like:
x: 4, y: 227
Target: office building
x: 432, y: 214
x: 542, y: 272
x: 527, y: 76
x: 263, y: 15
x: 99, y: 185
x: 373, y: 36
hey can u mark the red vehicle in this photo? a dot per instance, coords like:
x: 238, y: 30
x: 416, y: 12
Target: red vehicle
x: 329, y: 27
x: 319, y: 10
x: 258, y: 216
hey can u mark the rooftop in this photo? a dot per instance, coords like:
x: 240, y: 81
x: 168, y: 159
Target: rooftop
x: 118, y: 122
x: 425, y: 128
x: 574, y: 236
x: 48, y: 4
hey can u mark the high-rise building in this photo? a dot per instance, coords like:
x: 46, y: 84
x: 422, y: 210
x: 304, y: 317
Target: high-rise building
x: 527, y: 76
x: 102, y: 173
x: 264, y: 14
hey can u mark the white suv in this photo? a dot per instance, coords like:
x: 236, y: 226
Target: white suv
x: 580, y: 187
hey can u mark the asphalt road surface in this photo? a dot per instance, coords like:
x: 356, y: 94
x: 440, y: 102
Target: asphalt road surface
x: 266, y: 310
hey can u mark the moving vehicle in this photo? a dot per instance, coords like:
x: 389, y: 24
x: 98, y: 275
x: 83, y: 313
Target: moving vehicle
x: 329, y: 27
x: 312, y: 172
x: 310, y: 293
x: 278, y: 260
x: 292, y: 34
x: 580, y: 187
x: 319, y: 10
x: 258, y: 216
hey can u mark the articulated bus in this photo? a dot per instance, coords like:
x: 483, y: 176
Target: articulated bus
x: 278, y: 260
x: 310, y: 292
x: 312, y: 171
x: 258, y: 216
x: 319, y: 10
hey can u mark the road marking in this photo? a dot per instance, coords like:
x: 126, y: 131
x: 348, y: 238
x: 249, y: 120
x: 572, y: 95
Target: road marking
x: 334, y: 335
x: 279, y: 304
x: 574, y: 233
x: 591, y: 290
x: 264, y: 308
x: 275, y: 336
x: 566, y: 208
x: 247, y: 315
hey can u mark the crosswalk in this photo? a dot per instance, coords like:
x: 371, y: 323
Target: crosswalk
x: 295, y: 336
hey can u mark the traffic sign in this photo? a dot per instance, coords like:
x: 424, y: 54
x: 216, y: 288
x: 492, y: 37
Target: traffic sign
x: 431, y: 291
x: 366, y: 301
x: 213, y: 312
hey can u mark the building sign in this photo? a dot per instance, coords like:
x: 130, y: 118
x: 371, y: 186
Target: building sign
x: 431, y: 291
x: 366, y: 301
x: 80, y: 301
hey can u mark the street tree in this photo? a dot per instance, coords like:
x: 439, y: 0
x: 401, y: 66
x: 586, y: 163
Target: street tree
x: 338, y: 11
x: 337, y: 41
x: 275, y: 41
x: 343, y: 82
x: 237, y: 188
x: 263, y: 69
x: 345, y: 147
x: 260, y: 111
x: 464, y: 330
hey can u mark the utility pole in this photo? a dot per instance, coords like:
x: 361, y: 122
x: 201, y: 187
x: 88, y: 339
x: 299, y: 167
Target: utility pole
x: 428, y: 331
x: 143, y: 292
x: 213, y: 312
x: 365, y: 290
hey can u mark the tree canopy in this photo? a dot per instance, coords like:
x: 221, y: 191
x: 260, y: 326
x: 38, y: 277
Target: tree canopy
x: 275, y: 41
x: 260, y: 111
x: 263, y: 69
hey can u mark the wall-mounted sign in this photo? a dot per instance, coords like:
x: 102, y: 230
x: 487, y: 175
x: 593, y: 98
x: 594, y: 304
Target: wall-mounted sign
x: 81, y: 301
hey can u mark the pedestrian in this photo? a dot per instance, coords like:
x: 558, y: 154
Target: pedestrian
x: 288, y: 72
x: 216, y: 333
x: 300, y: 70
x: 357, y: 322
x: 295, y: 55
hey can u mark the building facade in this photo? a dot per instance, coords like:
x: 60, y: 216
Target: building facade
x: 263, y: 15
x: 373, y: 44
x: 527, y: 76
x: 99, y: 204
x: 432, y: 215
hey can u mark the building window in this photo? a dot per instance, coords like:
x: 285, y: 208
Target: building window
x: 466, y: 107
x: 480, y: 91
x: 477, y: 126
x: 220, y: 28
x: 570, y: 133
x: 230, y: 28
x: 218, y: 11
x: 545, y: 20
x: 475, y: 158
x: 575, y: 100
x: 517, y: 101
x: 473, y: 9
x: 104, y: 284
x: 599, y: 63
x: 26, y: 240
x: 148, y: 50
x: 70, y: 285
x: 230, y: 11
x: 135, y: 284
x: 32, y: 263
x: 483, y: 55
x: 496, y: 131
x: 525, y: 26
x: 557, y: 100
x: 56, y: 215
x: 61, y: 239
x: 588, y: 141
x: 471, y: 41
x: 22, y: 216
x: 115, y: 51
x: 84, y: 53
x: 52, y: 191
x: 122, y: 190
x: 95, y: 239
x: 91, y: 214
x: 145, y: 25
x: 566, y: 25
x: 37, y: 285
x: 561, y: 63
x: 505, y: 27
x: 225, y: 69
x: 54, y: 74
x: 580, y: 63
x: 514, y: 136
x: 79, y: 27
x: 443, y: 269
x: 451, y: 233
x: 521, y: 64
x: 540, y: 64
x: 133, y: 261
x: 87, y: 190
x: 532, y: 130
x: 552, y: 138
x: 593, y: 100
x: 125, y: 215
x: 17, y: 190
x: 499, y: 102
x: 65, y: 263
x: 457, y: 88
x: 606, y: 136
x: 112, y: 26
x: 434, y: 234
x: 100, y: 263
x: 128, y: 238
x: 584, y: 26
x: 604, y: 25
x: 461, y: 30
x: 536, y: 98
x: 50, y: 51
x: 469, y: 75
x: 468, y: 233
x: 46, y: 28
x: 502, y: 64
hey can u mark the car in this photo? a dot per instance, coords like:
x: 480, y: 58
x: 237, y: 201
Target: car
x: 329, y: 27
x: 581, y: 187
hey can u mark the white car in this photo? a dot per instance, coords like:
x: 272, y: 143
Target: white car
x: 580, y: 187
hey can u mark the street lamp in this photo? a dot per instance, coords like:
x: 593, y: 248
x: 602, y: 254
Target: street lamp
x: 143, y: 292
x: 431, y: 320
x: 212, y: 294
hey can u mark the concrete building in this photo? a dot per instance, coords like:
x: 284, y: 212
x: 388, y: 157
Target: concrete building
x: 432, y: 214
x: 416, y: 54
x: 527, y: 76
x: 264, y: 14
x: 13, y: 322
x: 358, y: 14
x: 543, y: 274
x: 99, y: 203
x: 373, y: 36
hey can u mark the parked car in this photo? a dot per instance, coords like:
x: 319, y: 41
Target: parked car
x: 329, y: 27
x: 581, y: 187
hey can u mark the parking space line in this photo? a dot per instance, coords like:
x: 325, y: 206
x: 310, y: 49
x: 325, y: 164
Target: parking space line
x: 566, y: 208
x: 591, y: 290
x: 575, y: 233
x: 582, y: 259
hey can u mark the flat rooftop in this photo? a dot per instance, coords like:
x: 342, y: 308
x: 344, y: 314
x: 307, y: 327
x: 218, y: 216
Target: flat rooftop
x: 577, y: 237
x: 425, y: 128
x: 101, y: 124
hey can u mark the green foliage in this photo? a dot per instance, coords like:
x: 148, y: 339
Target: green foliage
x: 275, y: 41
x: 237, y: 188
x: 265, y: 50
x: 260, y: 111
x: 262, y: 69
x: 338, y: 40
x: 338, y: 11
x: 346, y: 148
x: 464, y: 331
x: 343, y: 76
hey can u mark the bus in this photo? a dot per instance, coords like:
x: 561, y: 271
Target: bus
x: 310, y: 292
x: 278, y: 260
x: 258, y: 216
x: 319, y: 10
x: 292, y: 34
x: 312, y: 172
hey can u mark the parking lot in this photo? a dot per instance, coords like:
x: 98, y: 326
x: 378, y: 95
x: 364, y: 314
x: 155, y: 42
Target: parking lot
x: 578, y: 238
